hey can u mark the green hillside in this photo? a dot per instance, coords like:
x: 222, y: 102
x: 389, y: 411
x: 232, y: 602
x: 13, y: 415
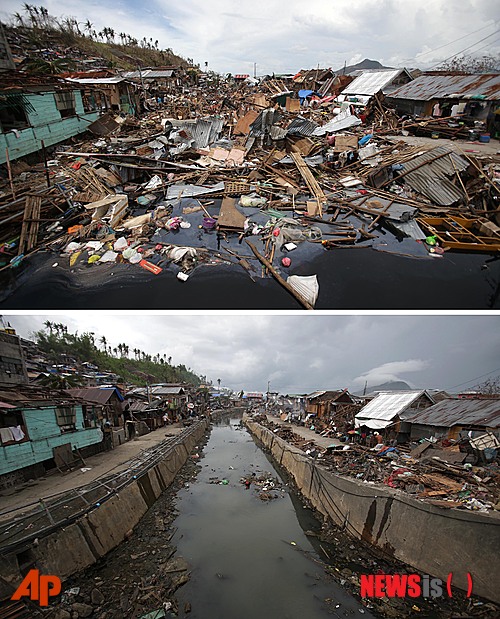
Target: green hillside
x: 41, y: 43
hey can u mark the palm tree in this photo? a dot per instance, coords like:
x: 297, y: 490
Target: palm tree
x: 48, y: 325
x: 218, y: 383
x: 88, y: 27
x: 104, y: 341
x: 115, y: 350
x: 19, y: 18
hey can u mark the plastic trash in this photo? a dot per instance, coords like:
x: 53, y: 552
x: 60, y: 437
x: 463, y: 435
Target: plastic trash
x: 182, y: 276
x: 120, y: 244
x: 307, y: 286
x: 365, y: 139
x: 286, y: 262
x: 255, y: 201
x: 109, y: 256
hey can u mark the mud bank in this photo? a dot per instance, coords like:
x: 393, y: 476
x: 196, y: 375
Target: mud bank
x: 75, y: 546
x: 431, y: 539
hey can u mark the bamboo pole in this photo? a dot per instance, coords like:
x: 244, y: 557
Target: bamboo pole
x: 9, y: 170
x: 278, y: 277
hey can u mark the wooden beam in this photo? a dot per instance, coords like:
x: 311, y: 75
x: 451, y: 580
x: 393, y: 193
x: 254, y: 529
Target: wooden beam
x: 278, y: 277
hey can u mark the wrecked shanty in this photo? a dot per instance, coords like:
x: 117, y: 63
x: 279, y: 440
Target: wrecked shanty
x: 237, y: 175
x: 448, y: 456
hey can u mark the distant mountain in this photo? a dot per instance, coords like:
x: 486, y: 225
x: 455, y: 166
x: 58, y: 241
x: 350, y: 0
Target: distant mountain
x: 363, y: 65
x: 393, y: 385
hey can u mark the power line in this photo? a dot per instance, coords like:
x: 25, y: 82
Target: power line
x: 473, y: 379
x: 466, y: 48
x: 454, y: 41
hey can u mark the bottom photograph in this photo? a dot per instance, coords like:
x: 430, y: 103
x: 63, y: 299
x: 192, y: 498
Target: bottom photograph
x: 242, y: 466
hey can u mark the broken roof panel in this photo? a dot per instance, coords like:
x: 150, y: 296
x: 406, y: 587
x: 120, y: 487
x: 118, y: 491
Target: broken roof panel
x: 463, y: 411
x: 301, y: 126
x: 96, y: 80
x: 370, y: 82
x: 432, y: 180
x: 428, y: 87
x: 149, y: 74
x: 385, y: 407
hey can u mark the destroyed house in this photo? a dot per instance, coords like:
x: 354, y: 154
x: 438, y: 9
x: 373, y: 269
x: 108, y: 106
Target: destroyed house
x: 322, y: 81
x: 41, y: 427
x: 326, y: 404
x: 475, y: 95
x: 370, y: 83
x: 455, y: 417
x: 389, y: 410
x: 108, y: 94
x: 35, y: 110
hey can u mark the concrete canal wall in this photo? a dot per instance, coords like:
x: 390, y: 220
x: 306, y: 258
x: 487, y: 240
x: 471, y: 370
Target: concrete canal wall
x: 74, y: 547
x: 432, y: 539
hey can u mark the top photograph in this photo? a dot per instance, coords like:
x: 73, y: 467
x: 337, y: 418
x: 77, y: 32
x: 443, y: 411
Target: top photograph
x: 339, y: 157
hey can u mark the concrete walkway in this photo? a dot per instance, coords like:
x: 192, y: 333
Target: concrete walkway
x: 101, y: 464
x: 306, y: 433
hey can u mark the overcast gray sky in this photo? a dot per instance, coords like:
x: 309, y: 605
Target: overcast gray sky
x: 301, y: 353
x: 287, y: 35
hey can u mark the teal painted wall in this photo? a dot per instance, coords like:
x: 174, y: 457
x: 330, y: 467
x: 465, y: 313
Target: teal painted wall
x: 44, y: 435
x: 47, y: 125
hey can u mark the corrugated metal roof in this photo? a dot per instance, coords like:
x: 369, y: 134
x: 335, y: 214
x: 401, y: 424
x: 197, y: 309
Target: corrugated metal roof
x: 264, y: 121
x: 370, y: 82
x: 342, y: 121
x: 301, y: 126
x: 95, y: 394
x: 203, y: 131
x: 149, y: 74
x: 314, y: 394
x: 432, y: 180
x: 96, y: 80
x: 167, y: 390
x: 386, y: 406
x: 427, y: 87
x: 455, y: 411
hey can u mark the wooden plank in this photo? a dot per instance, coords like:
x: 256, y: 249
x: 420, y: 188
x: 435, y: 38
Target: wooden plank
x: 31, y: 223
x: 311, y: 182
x: 229, y: 216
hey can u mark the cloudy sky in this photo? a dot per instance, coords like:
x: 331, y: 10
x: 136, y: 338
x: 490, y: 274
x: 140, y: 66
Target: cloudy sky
x: 301, y: 353
x: 285, y: 36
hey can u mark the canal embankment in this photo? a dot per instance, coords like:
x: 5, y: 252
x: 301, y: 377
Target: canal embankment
x: 76, y: 530
x: 429, y: 538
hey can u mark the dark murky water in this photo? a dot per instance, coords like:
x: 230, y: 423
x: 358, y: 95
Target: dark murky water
x: 240, y: 548
x: 357, y: 278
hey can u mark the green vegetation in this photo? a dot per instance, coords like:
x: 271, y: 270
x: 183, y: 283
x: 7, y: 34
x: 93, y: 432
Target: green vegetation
x: 132, y: 366
x: 40, y: 29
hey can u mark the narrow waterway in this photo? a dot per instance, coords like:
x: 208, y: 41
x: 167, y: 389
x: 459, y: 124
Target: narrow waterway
x: 249, y: 557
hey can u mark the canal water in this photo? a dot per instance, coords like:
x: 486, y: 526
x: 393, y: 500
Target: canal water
x: 249, y: 557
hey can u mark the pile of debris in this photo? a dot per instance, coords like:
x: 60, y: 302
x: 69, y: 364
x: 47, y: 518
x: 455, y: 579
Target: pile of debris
x: 441, y: 473
x: 186, y: 184
x: 265, y: 485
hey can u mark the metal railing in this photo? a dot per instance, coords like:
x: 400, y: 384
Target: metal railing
x: 50, y: 513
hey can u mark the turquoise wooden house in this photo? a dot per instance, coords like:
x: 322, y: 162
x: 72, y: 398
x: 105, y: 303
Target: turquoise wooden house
x: 39, y: 427
x: 36, y: 109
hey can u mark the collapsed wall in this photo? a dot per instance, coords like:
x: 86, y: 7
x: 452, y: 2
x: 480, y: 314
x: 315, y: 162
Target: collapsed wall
x: 432, y: 539
x: 77, y: 545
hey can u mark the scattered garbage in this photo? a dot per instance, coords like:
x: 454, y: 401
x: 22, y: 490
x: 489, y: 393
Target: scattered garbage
x: 289, y: 175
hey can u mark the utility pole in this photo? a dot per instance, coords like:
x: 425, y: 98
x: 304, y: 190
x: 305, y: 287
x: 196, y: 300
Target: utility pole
x: 255, y: 70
